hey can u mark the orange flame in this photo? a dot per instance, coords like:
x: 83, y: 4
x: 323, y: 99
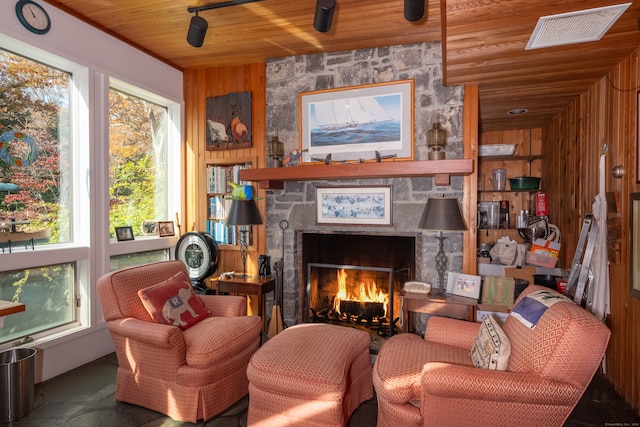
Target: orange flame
x: 367, y: 292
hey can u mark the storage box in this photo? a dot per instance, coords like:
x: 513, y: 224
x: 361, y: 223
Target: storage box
x: 545, y: 246
x: 499, y: 312
x: 541, y: 259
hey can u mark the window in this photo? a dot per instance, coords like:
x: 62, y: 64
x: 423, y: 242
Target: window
x: 35, y: 153
x: 37, y: 193
x: 138, y: 135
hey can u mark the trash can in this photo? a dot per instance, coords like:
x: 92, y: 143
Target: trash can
x: 17, y: 368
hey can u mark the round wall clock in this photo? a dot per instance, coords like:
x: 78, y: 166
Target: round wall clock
x: 199, y: 252
x: 33, y: 16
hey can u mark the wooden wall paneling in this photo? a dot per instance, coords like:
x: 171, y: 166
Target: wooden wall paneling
x: 573, y: 141
x: 470, y: 195
x: 199, y: 85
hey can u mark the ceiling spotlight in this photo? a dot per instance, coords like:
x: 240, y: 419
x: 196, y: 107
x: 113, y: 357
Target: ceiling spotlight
x: 197, y: 30
x: 413, y: 10
x: 324, y: 15
x: 198, y: 25
x: 517, y: 111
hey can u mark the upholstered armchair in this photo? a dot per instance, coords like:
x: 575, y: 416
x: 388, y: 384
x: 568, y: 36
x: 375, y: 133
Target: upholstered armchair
x: 188, y: 372
x: 433, y: 381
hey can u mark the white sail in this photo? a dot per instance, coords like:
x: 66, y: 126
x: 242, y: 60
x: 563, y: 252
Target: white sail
x: 349, y: 113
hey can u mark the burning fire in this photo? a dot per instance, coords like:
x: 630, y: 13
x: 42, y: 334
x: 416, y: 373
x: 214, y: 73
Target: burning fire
x: 366, y: 293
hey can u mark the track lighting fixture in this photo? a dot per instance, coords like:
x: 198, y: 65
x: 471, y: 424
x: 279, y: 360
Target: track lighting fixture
x: 198, y: 25
x: 413, y: 10
x: 197, y: 30
x: 324, y: 15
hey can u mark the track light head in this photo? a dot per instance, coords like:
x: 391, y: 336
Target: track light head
x: 197, y: 30
x: 413, y: 10
x: 324, y: 15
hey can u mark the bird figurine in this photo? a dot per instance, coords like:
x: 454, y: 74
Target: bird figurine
x: 237, y: 192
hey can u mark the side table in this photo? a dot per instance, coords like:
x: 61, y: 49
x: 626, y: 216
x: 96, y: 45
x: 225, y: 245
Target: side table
x: 445, y: 305
x: 249, y: 286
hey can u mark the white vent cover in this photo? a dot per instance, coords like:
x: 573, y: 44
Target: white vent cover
x: 575, y: 27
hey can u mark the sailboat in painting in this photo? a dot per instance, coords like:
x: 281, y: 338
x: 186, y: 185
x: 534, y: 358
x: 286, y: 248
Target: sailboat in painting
x: 360, y: 120
x: 350, y: 113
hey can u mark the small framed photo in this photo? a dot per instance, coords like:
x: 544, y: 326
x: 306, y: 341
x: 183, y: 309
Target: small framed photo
x: 369, y: 205
x: 464, y: 285
x: 165, y: 228
x: 150, y: 227
x: 124, y: 233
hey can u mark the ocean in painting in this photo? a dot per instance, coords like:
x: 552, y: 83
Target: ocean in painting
x: 358, y: 134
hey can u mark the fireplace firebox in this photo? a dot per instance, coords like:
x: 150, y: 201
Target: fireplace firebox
x: 354, y: 279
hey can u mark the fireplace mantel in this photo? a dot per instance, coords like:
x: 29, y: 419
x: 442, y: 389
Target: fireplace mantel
x: 274, y: 178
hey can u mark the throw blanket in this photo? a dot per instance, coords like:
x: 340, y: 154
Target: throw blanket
x: 532, y: 307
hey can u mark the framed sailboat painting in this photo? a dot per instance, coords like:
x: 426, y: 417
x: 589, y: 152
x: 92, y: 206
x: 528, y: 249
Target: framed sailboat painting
x: 357, y: 123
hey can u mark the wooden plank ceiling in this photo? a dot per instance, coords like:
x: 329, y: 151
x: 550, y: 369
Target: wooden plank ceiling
x: 483, y: 42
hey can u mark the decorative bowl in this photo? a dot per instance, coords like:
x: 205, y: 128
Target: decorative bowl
x: 524, y: 183
x: 497, y: 150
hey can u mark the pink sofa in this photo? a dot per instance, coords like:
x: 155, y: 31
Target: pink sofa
x: 188, y: 375
x: 432, y: 381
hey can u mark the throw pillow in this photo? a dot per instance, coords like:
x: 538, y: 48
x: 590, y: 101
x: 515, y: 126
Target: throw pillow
x: 491, y: 348
x: 173, y: 302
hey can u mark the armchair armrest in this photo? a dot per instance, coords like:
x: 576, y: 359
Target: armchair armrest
x: 225, y: 305
x: 467, y: 382
x: 455, y: 332
x: 156, y: 334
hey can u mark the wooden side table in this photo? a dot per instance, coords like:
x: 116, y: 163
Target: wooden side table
x: 248, y: 286
x: 447, y: 306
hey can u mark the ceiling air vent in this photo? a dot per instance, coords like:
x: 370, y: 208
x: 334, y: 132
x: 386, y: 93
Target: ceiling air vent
x: 575, y: 27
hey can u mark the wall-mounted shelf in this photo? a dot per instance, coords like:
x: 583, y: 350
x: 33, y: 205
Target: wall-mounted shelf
x: 441, y: 170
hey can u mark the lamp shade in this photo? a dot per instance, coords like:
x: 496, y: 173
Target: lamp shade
x: 243, y: 212
x: 442, y: 214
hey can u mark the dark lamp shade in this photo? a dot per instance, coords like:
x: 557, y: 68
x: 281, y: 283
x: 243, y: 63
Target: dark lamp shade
x: 243, y: 212
x: 442, y: 214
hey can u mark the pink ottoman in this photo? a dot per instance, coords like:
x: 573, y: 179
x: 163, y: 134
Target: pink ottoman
x: 309, y: 375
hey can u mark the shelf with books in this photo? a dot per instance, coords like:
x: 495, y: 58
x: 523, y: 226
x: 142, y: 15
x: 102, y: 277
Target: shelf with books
x: 220, y: 178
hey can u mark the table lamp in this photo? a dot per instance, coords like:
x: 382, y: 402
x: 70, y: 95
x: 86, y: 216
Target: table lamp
x: 442, y: 214
x: 244, y: 213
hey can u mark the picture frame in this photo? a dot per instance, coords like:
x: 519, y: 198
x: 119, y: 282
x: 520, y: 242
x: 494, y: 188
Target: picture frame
x: 149, y: 227
x: 331, y: 127
x: 166, y: 229
x: 464, y: 285
x: 365, y: 205
x: 635, y: 245
x: 228, y: 119
x: 124, y: 233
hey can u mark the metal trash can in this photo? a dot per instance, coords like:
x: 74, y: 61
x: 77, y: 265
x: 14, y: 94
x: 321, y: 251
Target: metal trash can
x: 17, y: 368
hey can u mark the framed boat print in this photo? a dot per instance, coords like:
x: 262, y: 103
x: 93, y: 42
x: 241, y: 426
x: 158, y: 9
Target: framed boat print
x: 357, y: 123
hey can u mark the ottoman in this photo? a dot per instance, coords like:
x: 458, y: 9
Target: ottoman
x: 310, y: 374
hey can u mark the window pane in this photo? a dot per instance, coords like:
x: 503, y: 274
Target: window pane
x: 137, y: 164
x: 48, y: 294
x: 35, y: 153
x: 130, y: 260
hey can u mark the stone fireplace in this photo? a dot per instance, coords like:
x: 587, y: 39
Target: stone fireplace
x: 433, y: 102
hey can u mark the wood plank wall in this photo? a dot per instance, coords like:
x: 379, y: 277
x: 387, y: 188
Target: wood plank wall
x: 199, y: 84
x: 606, y: 114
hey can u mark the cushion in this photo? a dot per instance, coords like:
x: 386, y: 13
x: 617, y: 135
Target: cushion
x: 491, y: 348
x: 173, y: 302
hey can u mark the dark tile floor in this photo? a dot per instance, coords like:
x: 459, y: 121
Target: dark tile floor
x: 84, y: 397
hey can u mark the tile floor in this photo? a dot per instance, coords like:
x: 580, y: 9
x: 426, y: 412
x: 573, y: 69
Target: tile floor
x: 85, y: 397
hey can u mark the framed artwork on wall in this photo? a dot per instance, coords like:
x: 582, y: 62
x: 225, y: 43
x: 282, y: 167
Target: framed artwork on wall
x: 229, y: 121
x: 357, y: 123
x: 370, y: 205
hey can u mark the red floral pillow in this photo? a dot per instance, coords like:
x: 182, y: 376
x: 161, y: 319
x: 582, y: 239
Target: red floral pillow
x: 173, y: 302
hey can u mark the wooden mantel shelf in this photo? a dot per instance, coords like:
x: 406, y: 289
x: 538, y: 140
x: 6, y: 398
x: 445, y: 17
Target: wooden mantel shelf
x: 274, y: 178
x: 7, y: 307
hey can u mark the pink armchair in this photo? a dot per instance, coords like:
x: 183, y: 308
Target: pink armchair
x: 432, y: 381
x: 188, y: 375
